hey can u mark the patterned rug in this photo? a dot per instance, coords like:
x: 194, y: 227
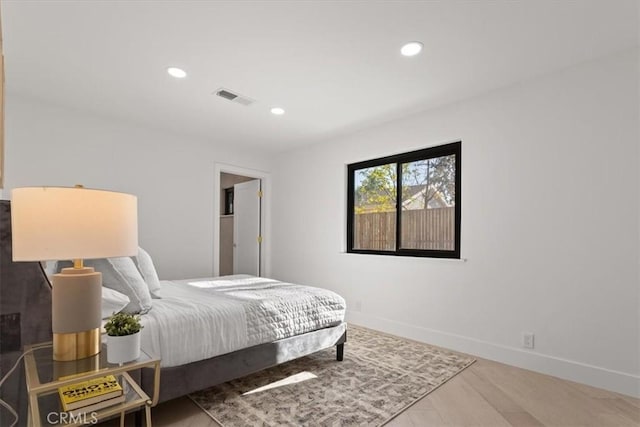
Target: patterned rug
x: 380, y: 376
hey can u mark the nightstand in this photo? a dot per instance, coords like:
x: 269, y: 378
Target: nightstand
x: 44, y: 376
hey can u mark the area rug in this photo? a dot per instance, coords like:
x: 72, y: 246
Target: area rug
x: 380, y: 376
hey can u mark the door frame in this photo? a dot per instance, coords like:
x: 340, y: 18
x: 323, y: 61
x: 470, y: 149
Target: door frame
x: 265, y: 216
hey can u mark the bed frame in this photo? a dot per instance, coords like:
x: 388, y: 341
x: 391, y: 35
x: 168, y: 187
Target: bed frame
x: 25, y: 294
x: 181, y: 380
x: 25, y: 316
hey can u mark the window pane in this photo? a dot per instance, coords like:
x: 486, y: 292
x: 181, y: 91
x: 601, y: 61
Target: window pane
x: 374, y: 222
x: 428, y: 204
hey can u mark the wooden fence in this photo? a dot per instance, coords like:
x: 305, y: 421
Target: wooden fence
x: 421, y: 229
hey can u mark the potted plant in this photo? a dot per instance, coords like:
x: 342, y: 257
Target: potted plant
x: 123, y: 337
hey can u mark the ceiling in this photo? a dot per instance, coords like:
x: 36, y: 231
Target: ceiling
x: 334, y: 66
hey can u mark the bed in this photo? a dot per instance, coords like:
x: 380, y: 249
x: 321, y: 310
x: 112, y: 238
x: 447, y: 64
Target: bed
x: 225, y: 355
x: 231, y: 326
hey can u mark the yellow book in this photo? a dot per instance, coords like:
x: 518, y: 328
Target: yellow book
x: 96, y: 406
x: 86, y: 393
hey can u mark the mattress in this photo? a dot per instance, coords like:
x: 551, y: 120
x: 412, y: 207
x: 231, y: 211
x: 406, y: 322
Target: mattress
x: 198, y: 319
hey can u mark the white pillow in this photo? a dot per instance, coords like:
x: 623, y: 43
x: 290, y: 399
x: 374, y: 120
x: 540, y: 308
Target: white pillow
x: 148, y: 270
x: 122, y: 275
x: 50, y: 268
x: 112, y: 302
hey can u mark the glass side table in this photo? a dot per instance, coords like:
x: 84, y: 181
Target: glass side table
x: 44, y: 376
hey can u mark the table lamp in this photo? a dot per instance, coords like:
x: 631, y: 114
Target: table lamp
x: 56, y: 223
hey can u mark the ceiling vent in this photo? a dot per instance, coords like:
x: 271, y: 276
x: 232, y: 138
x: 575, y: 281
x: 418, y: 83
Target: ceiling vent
x: 235, y: 97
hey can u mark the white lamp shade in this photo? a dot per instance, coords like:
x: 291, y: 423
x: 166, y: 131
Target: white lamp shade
x: 55, y: 223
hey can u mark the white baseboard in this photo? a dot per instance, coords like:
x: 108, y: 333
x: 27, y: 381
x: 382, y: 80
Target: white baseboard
x: 595, y: 376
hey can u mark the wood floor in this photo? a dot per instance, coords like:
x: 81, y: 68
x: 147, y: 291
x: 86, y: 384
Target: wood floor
x: 485, y: 394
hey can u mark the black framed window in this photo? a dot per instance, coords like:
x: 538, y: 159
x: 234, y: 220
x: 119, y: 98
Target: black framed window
x: 407, y: 204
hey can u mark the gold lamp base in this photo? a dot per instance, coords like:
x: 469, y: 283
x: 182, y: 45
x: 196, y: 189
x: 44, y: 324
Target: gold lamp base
x: 74, y: 346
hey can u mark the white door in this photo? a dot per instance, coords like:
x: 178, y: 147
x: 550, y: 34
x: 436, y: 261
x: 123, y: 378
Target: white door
x: 246, y: 228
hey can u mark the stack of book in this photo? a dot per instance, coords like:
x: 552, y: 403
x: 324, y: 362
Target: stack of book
x: 92, y: 395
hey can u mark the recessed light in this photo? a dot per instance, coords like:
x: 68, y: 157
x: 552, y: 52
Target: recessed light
x: 277, y: 111
x: 411, y: 48
x: 178, y: 73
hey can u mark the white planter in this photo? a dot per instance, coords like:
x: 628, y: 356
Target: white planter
x: 123, y: 349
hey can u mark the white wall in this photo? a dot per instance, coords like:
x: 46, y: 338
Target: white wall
x: 172, y: 175
x: 550, y: 223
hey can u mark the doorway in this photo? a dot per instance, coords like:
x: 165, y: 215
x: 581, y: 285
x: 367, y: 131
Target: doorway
x: 239, y: 225
x: 241, y: 243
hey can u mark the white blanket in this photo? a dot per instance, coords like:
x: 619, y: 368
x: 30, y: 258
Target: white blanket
x: 202, y: 318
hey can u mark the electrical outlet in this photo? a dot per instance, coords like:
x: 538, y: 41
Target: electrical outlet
x: 528, y: 339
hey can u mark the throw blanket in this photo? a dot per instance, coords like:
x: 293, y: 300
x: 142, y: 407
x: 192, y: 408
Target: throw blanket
x: 202, y: 318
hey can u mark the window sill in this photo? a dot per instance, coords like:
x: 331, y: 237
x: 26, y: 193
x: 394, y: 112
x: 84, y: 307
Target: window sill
x: 405, y: 256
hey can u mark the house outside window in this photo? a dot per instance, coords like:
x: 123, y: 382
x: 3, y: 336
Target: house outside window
x: 421, y: 219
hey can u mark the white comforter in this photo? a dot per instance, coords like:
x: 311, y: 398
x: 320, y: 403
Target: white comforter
x: 202, y: 318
